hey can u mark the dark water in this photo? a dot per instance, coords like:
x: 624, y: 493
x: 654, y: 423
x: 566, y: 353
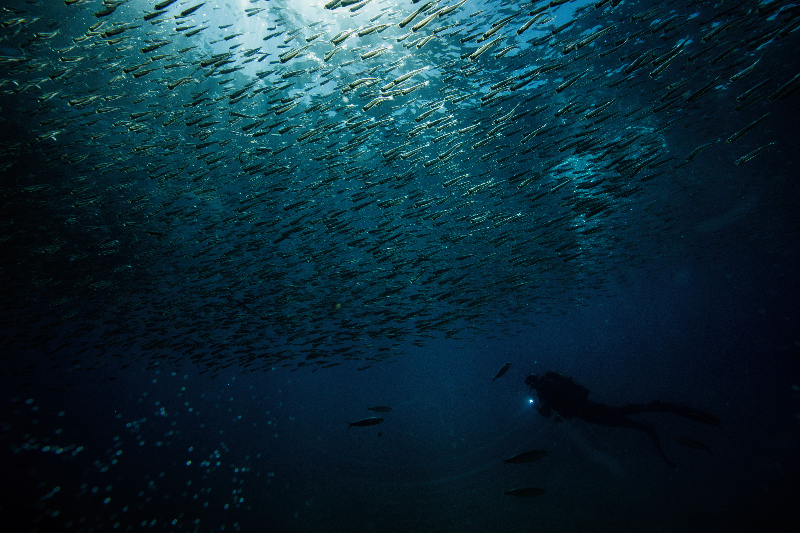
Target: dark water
x: 273, y: 452
x: 186, y: 339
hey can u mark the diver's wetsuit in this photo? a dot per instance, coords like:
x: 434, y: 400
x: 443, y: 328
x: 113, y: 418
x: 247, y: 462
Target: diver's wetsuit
x: 570, y: 399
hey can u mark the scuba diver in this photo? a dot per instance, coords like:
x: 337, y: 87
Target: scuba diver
x: 570, y: 399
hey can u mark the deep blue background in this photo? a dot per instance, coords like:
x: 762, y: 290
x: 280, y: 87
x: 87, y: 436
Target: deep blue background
x: 716, y: 333
x: 711, y: 320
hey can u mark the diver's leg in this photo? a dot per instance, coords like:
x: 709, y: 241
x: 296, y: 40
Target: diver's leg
x: 658, y: 406
x: 682, y: 410
x: 650, y: 429
x: 632, y: 409
x: 606, y: 415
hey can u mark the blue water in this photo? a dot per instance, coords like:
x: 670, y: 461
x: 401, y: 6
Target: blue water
x: 686, y: 292
x: 273, y: 451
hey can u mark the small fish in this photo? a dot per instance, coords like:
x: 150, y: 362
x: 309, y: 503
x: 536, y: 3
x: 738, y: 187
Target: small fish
x: 369, y: 421
x: 746, y: 129
x: 406, y: 21
x: 291, y: 54
x: 379, y: 409
x: 164, y: 4
x: 699, y: 416
x: 502, y: 371
x: 187, y: 12
x: 525, y: 492
x: 691, y: 443
x: 744, y: 159
x: 526, y: 457
x: 477, y: 53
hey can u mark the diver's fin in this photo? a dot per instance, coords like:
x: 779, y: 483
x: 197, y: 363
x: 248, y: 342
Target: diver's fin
x: 685, y: 412
x: 699, y: 416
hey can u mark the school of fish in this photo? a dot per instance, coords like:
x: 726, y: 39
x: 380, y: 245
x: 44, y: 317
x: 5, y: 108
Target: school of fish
x: 264, y: 183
